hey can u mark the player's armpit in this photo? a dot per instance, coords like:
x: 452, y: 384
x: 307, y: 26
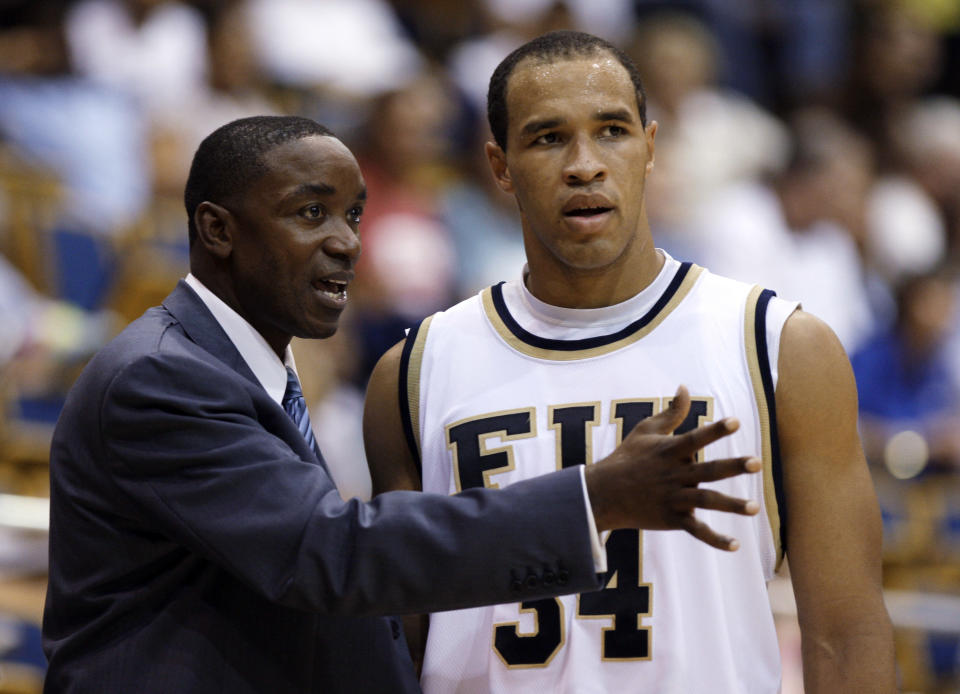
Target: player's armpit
x: 833, y: 538
x: 391, y: 462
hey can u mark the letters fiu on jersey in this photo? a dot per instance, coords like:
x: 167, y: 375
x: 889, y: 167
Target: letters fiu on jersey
x: 502, y: 387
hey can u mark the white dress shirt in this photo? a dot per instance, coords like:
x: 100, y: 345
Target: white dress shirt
x: 260, y: 357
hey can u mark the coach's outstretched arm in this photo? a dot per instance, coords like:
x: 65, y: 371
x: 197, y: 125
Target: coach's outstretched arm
x: 833, y: 538
x: 649, y: 482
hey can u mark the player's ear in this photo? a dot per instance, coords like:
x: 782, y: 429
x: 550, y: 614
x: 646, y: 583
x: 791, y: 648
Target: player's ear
x: 650, y: 132
x: 497, y: 159
x: 215, y: 227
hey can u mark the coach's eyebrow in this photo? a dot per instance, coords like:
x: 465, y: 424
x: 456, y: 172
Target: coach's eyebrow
x: 538, y: 125
x: 315, y: 188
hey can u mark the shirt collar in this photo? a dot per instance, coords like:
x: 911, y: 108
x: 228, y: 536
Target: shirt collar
x: 260, y: 357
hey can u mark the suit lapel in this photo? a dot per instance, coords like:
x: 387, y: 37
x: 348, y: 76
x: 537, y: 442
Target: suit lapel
x: 204, y: 330
x: 197, y: 321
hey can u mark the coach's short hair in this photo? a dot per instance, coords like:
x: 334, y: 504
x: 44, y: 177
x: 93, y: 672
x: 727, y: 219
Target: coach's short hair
x: 556, y: 45
x: 230, y: 159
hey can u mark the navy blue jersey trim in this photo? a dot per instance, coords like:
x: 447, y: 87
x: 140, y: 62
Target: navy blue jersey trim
x: 766, y: 377
x: 591, y: 342
x: 403, y: 394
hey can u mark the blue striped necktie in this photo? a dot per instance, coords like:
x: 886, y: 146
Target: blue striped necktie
x: 296, y: 407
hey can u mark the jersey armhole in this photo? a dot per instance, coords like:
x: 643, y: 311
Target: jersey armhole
x: 411, y: 360
x: 761, y: 330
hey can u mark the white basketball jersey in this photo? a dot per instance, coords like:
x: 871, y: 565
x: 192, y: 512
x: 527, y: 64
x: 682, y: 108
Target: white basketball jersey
x: 501, y: 388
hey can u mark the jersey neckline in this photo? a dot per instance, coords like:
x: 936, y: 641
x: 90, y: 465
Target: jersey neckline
x: 521, y: 340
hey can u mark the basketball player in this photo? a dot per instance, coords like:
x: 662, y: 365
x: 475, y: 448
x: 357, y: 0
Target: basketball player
x: 554, y: 368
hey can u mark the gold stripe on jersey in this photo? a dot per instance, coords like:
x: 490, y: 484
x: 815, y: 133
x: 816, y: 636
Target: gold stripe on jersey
x: 413, y: 379
x: 763, y: 416
x: 571, y: 355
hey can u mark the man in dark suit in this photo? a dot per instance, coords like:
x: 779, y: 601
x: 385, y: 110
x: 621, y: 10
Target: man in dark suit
x: 197, y: 542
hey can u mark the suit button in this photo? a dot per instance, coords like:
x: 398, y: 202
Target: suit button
x: 516, y: 584
x: 563, y: 577
x: 395, y: 628
x: 549, y: 578
x: 533, y: 581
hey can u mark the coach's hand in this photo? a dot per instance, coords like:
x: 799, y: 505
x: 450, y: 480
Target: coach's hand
x: 651, y: 482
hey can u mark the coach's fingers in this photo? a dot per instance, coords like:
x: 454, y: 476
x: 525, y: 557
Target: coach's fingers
x: 695, y: 497
x: 705, y: 533
x: 693, y: 441
x: 719, y: 470
x: 665, y: 422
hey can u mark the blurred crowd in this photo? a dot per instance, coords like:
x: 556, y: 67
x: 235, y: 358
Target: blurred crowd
x: 811, y: 146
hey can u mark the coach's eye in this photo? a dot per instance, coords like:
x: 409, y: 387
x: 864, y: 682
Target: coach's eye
x: 313, y: 211
x: 613, y: 131
x: 354, y: 214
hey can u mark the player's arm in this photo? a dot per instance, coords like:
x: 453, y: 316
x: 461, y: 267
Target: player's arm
x: 391, y: 464
x: 833, y: 526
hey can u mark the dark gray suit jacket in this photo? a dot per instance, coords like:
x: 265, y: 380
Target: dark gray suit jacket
x: 198, y: 545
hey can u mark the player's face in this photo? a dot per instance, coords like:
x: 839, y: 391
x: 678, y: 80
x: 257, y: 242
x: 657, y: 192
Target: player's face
x: 297, y: 240
x: 577, y: 158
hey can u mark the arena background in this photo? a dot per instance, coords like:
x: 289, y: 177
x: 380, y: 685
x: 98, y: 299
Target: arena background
x: 812, y: 146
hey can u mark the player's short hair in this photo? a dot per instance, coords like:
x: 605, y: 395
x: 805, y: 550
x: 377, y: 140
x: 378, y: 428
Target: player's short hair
x: 230, y: 158
x: 551, y: 47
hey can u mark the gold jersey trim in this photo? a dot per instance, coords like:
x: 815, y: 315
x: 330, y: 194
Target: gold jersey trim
x: 514, y: 336
x: 414, y: 363
x: 763, y: 415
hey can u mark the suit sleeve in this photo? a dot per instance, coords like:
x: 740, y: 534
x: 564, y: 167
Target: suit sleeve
x: 191, y: 452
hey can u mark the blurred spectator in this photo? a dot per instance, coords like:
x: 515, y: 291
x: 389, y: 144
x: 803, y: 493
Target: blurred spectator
x: 798, y: 236
x: 909, y: 401
x: 407, y: 269
x: 351, y: 47
x: 897, y: 56
x: 31, y: 37
x: 155, y: 50
x: 92, y: 138
x: 484, y: 224
x: 233, y: 87
x: 510, y: 23
x: 929, y: 140
x: 701, y: 142
x: 905, y: 232
x: 779, y: 53
x: 472, y: 62
x: 43, y: 343
x: 611, y: 19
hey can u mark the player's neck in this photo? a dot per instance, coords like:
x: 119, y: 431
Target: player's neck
x: 561, y: 285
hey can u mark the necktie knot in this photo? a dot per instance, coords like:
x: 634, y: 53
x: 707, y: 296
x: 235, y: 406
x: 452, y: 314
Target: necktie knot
x: 293, y: 390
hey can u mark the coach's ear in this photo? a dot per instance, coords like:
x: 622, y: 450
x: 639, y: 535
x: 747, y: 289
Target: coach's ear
x: 214, y: 228
x: 497, y: 159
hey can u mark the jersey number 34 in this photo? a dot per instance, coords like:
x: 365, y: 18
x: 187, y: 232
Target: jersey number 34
x: 624, y: 599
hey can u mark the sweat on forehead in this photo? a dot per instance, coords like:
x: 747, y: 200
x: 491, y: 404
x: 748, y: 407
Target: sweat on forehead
x: 535, y: 75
